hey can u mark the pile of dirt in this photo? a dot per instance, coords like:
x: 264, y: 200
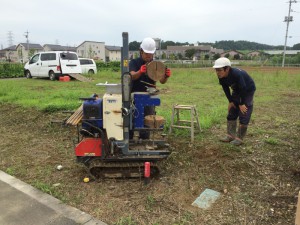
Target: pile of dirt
x: 258, y: 182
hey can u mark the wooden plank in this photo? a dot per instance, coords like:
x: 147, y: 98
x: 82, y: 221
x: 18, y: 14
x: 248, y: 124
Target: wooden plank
x: 76, y: 117
x: 177, y: 126
x: 188, y: 107
x: 79, y: 77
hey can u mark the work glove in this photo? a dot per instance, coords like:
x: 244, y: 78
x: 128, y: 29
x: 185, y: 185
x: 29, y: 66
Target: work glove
x: 167, y: 72
x: 143, y: 69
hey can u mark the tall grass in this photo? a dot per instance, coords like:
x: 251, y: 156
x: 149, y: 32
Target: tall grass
x: 186, y: 86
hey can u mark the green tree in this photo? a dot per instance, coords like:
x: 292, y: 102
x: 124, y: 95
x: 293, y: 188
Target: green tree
x: 236, y: 56
x: 180, y: 56
x: 20, y: 54
x: 134, y: 46
x: 189, y: 53
x: 296, y: 46
x: 31, y: 52
x: 167, y: 43
x: 297, y: 57
x: 90, y: 52
x: 216, y: 56
x: 172, y: 56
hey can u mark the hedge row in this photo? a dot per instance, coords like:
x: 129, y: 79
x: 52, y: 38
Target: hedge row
x: 115, y: 65
x: 9, y: 70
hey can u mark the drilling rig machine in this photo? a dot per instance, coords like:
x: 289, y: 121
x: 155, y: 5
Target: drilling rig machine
x: 104, y: 146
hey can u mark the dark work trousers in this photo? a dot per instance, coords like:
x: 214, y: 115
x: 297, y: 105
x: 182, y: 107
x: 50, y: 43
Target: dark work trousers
x: 235, y: 113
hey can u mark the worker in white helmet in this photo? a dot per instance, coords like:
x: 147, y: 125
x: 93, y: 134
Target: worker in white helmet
x: 240, y: 99
x: 138, y: 69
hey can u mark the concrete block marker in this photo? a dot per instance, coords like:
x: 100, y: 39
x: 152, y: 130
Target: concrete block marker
x: 206, y: 199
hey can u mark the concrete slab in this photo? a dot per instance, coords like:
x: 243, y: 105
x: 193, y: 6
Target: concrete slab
x: 206, y: 199
x: 22, y: 204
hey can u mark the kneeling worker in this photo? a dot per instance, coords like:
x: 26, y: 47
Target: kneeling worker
x: 240, y: 100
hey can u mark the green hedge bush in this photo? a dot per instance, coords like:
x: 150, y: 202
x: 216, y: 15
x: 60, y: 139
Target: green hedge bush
x: 114, y: 66
x: 10, y: 70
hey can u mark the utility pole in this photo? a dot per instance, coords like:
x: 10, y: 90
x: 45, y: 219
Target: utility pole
x: 287, y: 19
x: 27, y: 40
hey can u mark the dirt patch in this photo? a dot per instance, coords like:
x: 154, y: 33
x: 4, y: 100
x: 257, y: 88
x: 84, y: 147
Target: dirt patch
x: 258, y: 181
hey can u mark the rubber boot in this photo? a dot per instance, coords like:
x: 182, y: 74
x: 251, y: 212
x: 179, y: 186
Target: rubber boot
x: 240, y: 135
x: 231, y: 131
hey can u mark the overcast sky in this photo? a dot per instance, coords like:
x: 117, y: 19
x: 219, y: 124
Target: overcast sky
x: 70, y: 22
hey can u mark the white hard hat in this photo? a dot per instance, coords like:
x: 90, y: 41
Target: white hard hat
x: 148, y: 45
x: 222, y: 62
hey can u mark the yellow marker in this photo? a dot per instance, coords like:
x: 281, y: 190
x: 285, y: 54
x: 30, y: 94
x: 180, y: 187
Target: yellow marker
x: 86, y: 180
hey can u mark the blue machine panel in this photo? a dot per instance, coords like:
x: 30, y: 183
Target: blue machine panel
x: 140, y: 101
x: 93, y: 113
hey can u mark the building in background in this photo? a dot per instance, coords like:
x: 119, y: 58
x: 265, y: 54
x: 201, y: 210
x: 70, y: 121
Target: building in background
x: 199, y: 53
x: 50, y: 47
x: 112, y: 53
x: 233, y: 54
x: 9, y: 54
x: 92, y: 49
x: 26, y: 50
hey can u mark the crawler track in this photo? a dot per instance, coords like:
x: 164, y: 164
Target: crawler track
x: 100, y: 170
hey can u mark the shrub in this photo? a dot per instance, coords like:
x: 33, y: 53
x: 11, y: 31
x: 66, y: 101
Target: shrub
x: 113, y: 66
x: 8, y: 70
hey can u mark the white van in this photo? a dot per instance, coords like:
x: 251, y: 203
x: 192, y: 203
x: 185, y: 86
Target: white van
x: 52, y: 64
x: 88, y: 65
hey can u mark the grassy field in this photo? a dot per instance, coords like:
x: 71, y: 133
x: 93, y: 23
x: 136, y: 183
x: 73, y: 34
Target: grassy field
x: 187, y: 86
x: 258, y: 181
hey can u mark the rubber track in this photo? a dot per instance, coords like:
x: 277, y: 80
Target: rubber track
x: 99, y: 169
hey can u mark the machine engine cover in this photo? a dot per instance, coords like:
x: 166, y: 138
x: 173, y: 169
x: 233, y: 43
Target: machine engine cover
x: 92, y: 109
x: 93, y: 114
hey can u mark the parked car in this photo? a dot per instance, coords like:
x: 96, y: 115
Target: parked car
x: 88, y: 65
x: 52, y: 64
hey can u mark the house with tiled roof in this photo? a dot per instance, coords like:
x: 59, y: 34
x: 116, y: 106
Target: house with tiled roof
x: 112, y: 53
x: 50, y: 47
x: 254, y: 53
x: 232, y: 54
x: 9, y: 54
x: 200, y: 50
x: 26, y: 50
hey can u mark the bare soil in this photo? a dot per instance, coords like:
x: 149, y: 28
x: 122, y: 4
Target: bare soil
x: 258, y: 181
